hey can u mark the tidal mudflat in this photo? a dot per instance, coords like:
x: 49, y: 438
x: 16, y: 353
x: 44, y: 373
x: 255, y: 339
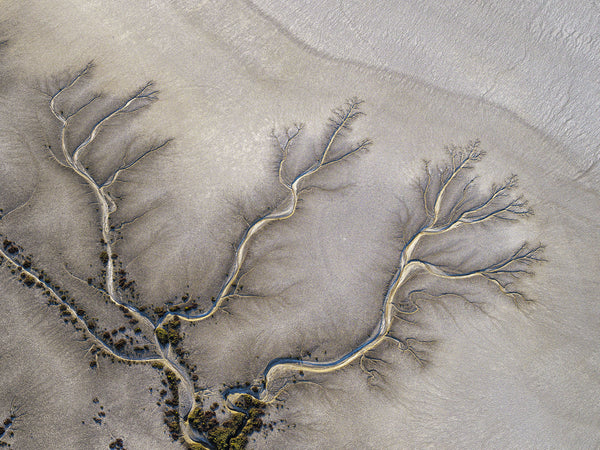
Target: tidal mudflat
x: 215, y: 237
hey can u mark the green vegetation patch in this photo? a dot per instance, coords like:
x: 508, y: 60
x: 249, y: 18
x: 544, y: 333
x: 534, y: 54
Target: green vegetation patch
x: 162, y: 336
x: 170, y: 333
x: 221, y: 436
x: 234, y: 432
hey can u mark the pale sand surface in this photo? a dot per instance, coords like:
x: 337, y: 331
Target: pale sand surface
x: 515, y: 378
